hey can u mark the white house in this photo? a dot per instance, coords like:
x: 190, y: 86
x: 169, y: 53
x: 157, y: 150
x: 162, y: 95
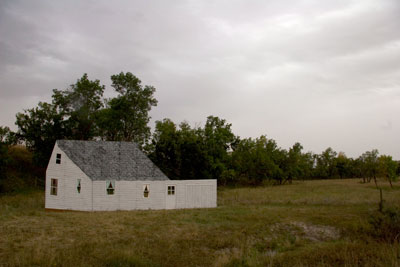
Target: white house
x: 102, y: 175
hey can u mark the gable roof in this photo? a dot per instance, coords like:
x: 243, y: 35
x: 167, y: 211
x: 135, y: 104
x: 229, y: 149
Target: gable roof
x: 109, y: 160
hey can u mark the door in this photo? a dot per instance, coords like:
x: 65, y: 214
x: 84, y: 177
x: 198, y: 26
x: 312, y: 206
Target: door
x: 171, y: 197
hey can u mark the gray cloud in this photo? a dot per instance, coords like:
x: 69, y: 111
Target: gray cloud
x: 325, y: 73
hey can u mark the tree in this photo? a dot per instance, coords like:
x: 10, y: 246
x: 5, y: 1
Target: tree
x: 326, y: 166
x: 166, y: 152
x: 398, y: 168
x: 193, y: 153
x: 127, y: 115
x: 218, y: 138
x: 180, y: 152
x: 7, y: 136
x: 387, y: 168
x: 80, y: 104
x: 40, y: 127
x: 258, y: 160
x: 242, y: 159
x: 297, y: 165
x: 71, y: 115
x: 78, y: 113
x: 293, y: 168
x: 343, y: 165
x: 371, y: 164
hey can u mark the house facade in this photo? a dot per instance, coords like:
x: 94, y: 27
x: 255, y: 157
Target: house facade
x: 103, y: 175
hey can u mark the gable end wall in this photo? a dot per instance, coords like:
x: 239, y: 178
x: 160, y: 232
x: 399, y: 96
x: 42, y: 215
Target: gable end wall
x: 67, y: 174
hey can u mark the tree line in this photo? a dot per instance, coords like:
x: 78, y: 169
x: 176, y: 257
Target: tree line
x: 212, y: 151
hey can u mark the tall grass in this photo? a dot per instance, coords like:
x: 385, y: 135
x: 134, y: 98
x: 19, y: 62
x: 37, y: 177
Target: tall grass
x: 312, y: 223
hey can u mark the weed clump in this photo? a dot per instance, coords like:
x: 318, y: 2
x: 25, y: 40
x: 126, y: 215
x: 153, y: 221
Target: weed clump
x: 386, y: 225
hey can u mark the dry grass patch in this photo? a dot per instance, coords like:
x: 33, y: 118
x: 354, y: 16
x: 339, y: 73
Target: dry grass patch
x: 308, y: 223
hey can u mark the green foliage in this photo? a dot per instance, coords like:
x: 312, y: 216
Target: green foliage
x: 398, y: 168
x: 79, y: 105
x: 215, y: 152
x: 7, y: 136
x: 387, y: 167
x: 166, y: 147
x: 217, y: 139
x: 296, y: 164
x: 78, y: 113
x: 343, y: 165
x: 192, y: 153
x: 71, y: 115
x: 257, y: 160
x: 386, y: 225
x: 370, y: 163
x: 126, y: 116
x: 326, y: 164
x: 182, y: 152
x: 4, y: 158
x: 40, y: 127
x: 356, y: 168
x: 17, y: 171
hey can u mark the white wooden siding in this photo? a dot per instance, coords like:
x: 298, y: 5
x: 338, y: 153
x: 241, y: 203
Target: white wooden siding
x: 197, y: 194
x: 128, y: 195
x: 67, y: 174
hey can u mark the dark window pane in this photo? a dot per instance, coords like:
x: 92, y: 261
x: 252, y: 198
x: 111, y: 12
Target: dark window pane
x: 53, y: 187
x: 58, y: 158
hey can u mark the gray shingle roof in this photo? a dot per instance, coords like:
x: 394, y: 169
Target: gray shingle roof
x: 106, y: 160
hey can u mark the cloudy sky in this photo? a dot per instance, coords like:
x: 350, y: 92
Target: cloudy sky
x: 322, y: 73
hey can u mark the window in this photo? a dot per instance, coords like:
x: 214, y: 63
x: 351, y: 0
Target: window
x: 78, y: 186
x: 58, y: 159
x: 110, y: 187
x: 171, y: 190
x: 146, y: 190
x: 53, y: 187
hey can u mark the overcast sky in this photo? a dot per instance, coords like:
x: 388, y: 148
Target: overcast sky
x: 322, y: 73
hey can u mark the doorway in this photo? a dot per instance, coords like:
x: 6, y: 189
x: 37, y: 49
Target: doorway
x: 171, y: 197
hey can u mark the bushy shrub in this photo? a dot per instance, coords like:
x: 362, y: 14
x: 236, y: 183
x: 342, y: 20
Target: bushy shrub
x: 386, y: 225
x: 17, y: 171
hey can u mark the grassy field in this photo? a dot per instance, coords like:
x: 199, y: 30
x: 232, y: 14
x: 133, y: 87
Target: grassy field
x: 311, y: 223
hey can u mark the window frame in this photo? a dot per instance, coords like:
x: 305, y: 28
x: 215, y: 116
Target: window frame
x: 79, y: 185
x: 171, y: 190
x: 110, y: 191
x: 146, y: 186
x: 53, y: 186
x: 58, y: 158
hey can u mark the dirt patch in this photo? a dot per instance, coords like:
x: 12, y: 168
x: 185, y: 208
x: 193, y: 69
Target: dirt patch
x: 311, y: 232
x: 314, y: 232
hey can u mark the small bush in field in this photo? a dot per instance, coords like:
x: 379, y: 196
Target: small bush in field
x: 18, y: 173
x: 386, y: 224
